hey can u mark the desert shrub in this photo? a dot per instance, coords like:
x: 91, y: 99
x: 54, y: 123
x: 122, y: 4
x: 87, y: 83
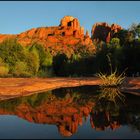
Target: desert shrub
x: 113, y: 79
x: 4, y: 69
x: 21, y: 70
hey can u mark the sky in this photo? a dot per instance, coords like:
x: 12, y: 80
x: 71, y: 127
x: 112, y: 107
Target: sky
x: 19, y: 16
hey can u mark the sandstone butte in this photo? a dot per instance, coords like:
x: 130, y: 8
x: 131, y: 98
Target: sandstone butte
x: 68, y: 33
x: 103, y: 31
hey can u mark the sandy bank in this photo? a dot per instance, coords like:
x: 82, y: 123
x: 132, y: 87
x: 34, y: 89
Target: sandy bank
x: 12, y: 87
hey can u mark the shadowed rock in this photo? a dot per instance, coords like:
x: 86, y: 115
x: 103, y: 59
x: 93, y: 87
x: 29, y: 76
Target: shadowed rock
x: 104, y: 32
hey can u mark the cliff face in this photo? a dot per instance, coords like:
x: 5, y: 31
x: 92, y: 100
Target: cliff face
x: 104, y: 32
x: 68, y: 33
x: 65, y: 36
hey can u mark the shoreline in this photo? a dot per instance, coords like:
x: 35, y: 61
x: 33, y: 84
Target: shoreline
x: 16, y: 87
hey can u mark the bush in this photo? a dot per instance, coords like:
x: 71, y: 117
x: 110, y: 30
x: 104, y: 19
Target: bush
x: 21, y: 70
x: 42, y: 61
x: 33, y: 64
x: 4, y: 70
x: 112, y: 79
x: 47, y: 72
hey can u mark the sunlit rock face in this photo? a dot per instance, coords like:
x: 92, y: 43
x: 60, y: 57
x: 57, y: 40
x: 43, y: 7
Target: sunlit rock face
x: 71, y: 26
x: 104, y: 32
x: 68, y: 33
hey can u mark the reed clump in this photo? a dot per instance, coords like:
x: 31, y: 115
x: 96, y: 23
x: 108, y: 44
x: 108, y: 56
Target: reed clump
x: 113, y: 79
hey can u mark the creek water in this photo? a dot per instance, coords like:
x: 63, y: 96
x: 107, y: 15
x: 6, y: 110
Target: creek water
x: 79, y: 112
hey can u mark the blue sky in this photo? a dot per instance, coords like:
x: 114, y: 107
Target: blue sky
x: 16, y: 17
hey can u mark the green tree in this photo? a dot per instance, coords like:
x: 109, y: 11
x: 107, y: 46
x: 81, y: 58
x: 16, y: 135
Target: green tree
x: 34, y: 60
x: 48, y: 60
x: 44, y: 58
x: 41, y: 52
x: 135, y: 29
x: 125, y: 36
x: 21, y: 69
x: 114, y: 43
x: 11, y: 52
x: 4, y: 69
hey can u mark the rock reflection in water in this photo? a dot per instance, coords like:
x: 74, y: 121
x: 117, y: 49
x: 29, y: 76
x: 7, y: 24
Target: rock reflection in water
x: 64, y: 108
x: 68, y: 107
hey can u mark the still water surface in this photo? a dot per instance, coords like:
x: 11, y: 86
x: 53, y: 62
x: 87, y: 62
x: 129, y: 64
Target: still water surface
x: 80, y: 112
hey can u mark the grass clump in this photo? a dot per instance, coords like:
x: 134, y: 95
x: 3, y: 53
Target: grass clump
x: 113, y: 79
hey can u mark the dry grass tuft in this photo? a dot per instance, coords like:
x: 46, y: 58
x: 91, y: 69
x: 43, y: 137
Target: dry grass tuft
x: 111, y: 80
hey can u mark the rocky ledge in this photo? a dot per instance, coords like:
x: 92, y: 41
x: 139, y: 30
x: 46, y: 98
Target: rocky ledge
x: 14, y: 87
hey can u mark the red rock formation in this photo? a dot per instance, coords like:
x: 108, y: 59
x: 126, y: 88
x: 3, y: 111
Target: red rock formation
x: 103, y: 31
x: 108, y: 38
x: 87, y: 34
x: 69, y: 32
x: 71, y: 27
x: 115, y: 28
